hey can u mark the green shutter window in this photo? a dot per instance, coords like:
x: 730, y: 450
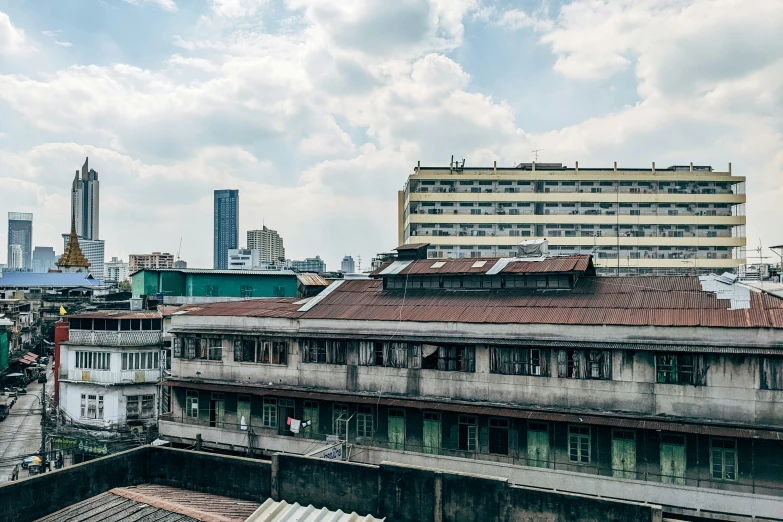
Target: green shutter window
x: 432, y: 433
x: 269, y: 419
x: 723, y: 459
x: 624, y: 454
x: 579, y: 444
x: 538, y: 444
x: 396, y: 423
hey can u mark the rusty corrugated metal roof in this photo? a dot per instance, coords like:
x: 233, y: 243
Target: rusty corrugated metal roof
x: 309, y: 279
x: 263, y: 307
x: 473, y: 265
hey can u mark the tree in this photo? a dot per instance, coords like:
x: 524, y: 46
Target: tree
x: 124, y: 286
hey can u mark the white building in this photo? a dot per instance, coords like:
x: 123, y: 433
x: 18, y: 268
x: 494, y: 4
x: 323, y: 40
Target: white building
x: 109, y: 367
x: 116, y: 270
x: 348, y: 266
x: 15, y: 257
x: 268, y: 243
x: 93, y: 250
x: 243, y: 258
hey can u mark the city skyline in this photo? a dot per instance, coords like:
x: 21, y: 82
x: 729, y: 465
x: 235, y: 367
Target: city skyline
x: 483, y: 81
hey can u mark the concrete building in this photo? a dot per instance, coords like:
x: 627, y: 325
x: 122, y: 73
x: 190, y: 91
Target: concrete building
x: 657, y: 389
x: 348, y: 266
x: 15, y: 257
x: 180, y: 263
x: 116, y: 270
x: 677, y: 220
x: 44, y: 259
x: 108, y: 368
x: 154, y: 261
x: 243, y: 259
x: 85, y: 202
x: 226, y: 229
x: 193, y: 285
x: 268, y: 243
x: 311, y: 264
x: 20, y: 233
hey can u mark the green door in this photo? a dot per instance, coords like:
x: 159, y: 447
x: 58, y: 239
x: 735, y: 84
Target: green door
x: 396, y: 429
x: 538, y: 445
x: 431, y: 433
x: 311, y: 414
x: 673, y: 460
x: 217, y: 412
x: 243, y: 411
x: 624, y: 454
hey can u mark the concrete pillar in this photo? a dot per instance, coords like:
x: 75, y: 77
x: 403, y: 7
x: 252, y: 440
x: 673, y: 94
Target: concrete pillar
x: 653, y: 167
x: 577, y: 167
x: 729, y: 167
x: 495, y: 167
x: 199, y: 443
x: 615, y: 165
x: 418, y: 166
x: 691, y: 166
x: 274, y: 492
x: 437, y: 516
x: 534, y: 166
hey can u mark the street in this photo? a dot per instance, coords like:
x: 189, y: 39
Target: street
x: 20, y: 432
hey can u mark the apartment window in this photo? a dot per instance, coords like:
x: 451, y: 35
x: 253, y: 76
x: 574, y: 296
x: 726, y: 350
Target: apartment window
x: 92, y: 360
x: 336, y: 352
x: 771, y: 373
x: 191, y: 404
x: 468, y: 433
x: 140, y: 361
x: 579, y: 444
x: 215, y: 350
x: 675, y: 368
x: 269, y: 419
x: 516, y: 361
x: 340, y: 420
x: 190, y: 347
x: 723, y: 459
x: 140, y: 407
x: 585, y: 364
x: 364, y: 424
x: 457, y: 358
x: 498, y: 436
x: 314, y: 350
x: 246, y: 291
x: 177, y: 347
x: 91, y: 406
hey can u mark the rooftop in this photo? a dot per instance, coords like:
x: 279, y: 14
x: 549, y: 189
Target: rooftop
x: 115, y: 314
x: 212, y: 271
x: 556, y: 264
x: 50, y: 279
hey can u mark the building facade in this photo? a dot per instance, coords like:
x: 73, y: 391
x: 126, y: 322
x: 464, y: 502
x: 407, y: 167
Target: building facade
x: 44, y: 259
x: 180, y: 286
x: 269, y: 245
x: 348, y: 266
x: 108, y: 369
x: 85, y: 202
x: 656, y: 389
x: 154, y: 261
x: 116, y: 270
x: 311, y: 264
x: 20, y: 233
x: 226, y: 228
x: 15, y: 257
x: 243, y: 259
x: 677, y: 220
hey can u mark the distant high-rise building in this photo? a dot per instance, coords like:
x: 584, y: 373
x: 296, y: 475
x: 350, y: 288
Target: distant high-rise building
x: 268, y: 243
x: 311, y: 264
x: 348, y: 266
x: 154, y: 260
x: 116, y: 270
x: 44, y: 259
x: 180, y: 263
x: 242, y: 259
x: 226, y: 231
x: 85, y: 202
x: 20, y: 232
x: 15, y: 257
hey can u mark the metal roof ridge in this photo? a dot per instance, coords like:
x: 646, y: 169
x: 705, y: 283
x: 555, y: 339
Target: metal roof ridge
x: 320, y: 297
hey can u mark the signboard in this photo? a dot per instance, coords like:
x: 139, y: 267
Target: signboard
x: 63, y: 443
x: 331, y: 452
x: 83, y: 445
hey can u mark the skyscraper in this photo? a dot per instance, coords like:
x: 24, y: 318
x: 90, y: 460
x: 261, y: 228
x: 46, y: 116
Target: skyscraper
x: 268, y: 243
x: 44, y: 259
x: 85, y: 202
x: 226, y: 232
x: 20, y: 232
x: 348, y: 266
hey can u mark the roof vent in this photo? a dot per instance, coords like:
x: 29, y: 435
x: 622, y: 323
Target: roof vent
x: 438, y: 264
x: 479, y: 264
x: 533, y: 248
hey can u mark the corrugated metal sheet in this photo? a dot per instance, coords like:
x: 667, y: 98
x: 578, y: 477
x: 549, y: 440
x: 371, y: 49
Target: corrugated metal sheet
x: 271, y: 511
x: 308, y: 279
x: 616, y: 419
x: 577, y: 263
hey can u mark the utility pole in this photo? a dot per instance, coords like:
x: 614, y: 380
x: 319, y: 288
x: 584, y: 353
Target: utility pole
x: 43, y: 426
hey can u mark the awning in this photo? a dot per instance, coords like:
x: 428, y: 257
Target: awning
x: 515, y: 412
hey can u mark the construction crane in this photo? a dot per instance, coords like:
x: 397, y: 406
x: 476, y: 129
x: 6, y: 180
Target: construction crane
x: 180, y: 248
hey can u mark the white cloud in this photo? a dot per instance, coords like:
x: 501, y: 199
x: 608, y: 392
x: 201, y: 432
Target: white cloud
x: 12, y: 39
x: 166, y: 5
x: 63, y: 44
x: 51, y: 34
x: 237, y: 8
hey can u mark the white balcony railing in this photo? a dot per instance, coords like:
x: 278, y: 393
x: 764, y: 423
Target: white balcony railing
x: 110, y: 377
x: 114, y: 338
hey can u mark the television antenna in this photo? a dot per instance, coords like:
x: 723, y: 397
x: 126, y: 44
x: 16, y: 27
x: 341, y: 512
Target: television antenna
x: 535, y: 154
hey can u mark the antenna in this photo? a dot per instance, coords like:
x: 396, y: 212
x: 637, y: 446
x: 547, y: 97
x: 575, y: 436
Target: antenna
x: 535, y: 153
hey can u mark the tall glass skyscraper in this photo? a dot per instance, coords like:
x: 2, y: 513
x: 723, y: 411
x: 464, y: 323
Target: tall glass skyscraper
x: 85, y: 204
x: 226, y: 233
x: 20, y: 232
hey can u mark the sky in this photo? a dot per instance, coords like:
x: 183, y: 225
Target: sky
x: 317, y: 111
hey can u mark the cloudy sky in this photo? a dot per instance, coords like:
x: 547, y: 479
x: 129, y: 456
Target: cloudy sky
x: 317, y: 110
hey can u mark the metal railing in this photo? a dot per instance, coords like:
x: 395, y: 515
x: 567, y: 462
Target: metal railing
x: 115, y: 338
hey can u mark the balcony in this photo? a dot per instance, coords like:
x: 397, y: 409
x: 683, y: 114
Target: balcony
x: 111, y: 377
x: 115, y: 338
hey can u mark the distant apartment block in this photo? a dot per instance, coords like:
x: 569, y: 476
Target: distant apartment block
x: 348, y: 266
x: 226, y: 229
x: 20, y: 233
x: 268, y: 243
x: 44, y: 259
x: 154, y: 260
x: 311, y: 264
x: 680, y: 219
x: 242, y: 259
x: 116, y: 270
